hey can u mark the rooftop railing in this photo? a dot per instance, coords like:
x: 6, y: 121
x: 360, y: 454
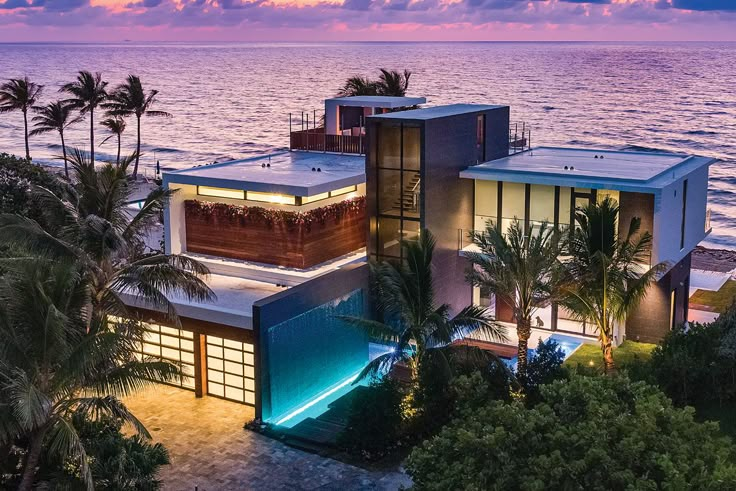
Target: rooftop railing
x: 520, y: 137
x: 708, y: 227
x: 316, y: 140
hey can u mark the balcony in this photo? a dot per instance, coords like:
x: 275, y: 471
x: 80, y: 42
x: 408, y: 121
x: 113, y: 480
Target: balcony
x: 317, y: 140
x: 520, y: 137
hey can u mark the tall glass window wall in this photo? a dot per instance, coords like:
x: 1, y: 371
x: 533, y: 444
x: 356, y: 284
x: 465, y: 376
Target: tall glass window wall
x: 531, y: 204
x: 398, y: 190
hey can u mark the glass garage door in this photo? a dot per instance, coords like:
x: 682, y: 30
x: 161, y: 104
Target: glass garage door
x: 171, y: 344
x: 230, y: 372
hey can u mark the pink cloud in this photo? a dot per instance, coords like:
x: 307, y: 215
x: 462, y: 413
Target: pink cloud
x: 257, y: 20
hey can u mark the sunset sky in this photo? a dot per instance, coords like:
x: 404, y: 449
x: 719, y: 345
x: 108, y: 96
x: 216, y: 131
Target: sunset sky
x: 359, y: 20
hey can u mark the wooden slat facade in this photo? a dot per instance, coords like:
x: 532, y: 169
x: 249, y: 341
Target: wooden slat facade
x: 277, y: 244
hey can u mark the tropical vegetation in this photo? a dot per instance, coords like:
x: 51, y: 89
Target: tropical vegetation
x: 18, y: 177
x: 389, y: 83
x: 116, y: 126
x: 91, y: 224
x: 54, y: 116
x: 375, y: 420
x: 20, y: 94
x: 82, y: 97
x: 604, y: 275
x: 415, y: 324
x: 518, y: 268
x: 697, y: 365
x: 596, y: 433
x: 117, y: 461
x: 86, y: 93
x: 61, y: 357
x: 130, y: 99
x: 68, y: 352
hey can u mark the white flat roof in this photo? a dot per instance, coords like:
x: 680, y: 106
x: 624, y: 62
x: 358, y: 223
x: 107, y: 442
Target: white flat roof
x: 381, y: 101
x: 438, y: 111
x: 233, y: 306
x: 284, y: 172
x: 588, y: 167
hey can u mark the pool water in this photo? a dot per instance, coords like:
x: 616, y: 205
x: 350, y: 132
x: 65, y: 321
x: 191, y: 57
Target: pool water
x: 568, y: 345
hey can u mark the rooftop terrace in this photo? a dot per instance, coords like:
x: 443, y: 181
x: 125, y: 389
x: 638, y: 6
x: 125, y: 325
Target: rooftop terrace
x: 572, y: 166
x: 295, y: 173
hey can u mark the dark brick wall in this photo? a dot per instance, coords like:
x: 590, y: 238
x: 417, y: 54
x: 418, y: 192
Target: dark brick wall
x: 447, y: 204
x: 447, y: 200
x: 650, y: 322
x: 636, y: 205
x: 497, y: 133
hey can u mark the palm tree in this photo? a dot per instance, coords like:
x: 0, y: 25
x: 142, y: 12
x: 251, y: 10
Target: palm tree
x: 517, y: 268
x: 605, y: 275
x: 404, y: 292
x: 55, y: 116
x: 358, y: 86
x: 116, y: 126
x: 87, y: 92
x: 59, y: 359
x: 393, y: 83
x: 20, y: 94
x: 130, y: 99
x: 92, y: 226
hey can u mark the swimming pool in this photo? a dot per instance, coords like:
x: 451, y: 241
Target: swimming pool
x: 568, y: 345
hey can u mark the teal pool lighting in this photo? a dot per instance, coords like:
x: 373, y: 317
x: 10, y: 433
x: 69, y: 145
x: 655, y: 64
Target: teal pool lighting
x: 317, y: 399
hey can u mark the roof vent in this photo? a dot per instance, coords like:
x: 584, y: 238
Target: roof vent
x: 313, y: 169
x: 268, y: 165
x: 595, y: 157
x: 319, y: 170
x: 572, y: 168
x: 263, y: 165
x: 601, y: 156
x: 566, y: 167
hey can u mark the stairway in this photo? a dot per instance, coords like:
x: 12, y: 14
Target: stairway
x: 410, y: 196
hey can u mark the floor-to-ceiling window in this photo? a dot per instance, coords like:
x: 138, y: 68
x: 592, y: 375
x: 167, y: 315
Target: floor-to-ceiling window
x: 398, y: 189
x: 532, y: 204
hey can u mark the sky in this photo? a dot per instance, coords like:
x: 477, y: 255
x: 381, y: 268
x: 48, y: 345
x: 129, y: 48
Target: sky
x: 366, y: 20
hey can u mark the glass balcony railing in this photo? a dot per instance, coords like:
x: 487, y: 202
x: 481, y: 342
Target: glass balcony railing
x: 465, y: 242
x: 708, y: 227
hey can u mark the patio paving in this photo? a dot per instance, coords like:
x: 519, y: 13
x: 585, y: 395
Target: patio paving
x: 210, y: 450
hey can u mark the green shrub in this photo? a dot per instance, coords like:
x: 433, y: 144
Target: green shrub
x: 118, y: 462
x: 592, y: 433
x: 698, y: 365
x: 16, y: 178
x: 375, y: 420
x: 544, y: 366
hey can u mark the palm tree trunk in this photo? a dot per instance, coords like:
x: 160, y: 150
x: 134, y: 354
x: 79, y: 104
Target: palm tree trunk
x: 34, y: 453
x: 92, y: 135
x: 118, y: 160
x: 25, y: 130
x: 523, y: 332
x: 63, y: 151
x: 608, y: 365
x: 137, y: 148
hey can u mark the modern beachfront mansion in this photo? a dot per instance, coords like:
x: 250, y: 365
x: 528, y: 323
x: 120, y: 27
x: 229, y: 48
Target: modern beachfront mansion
x: 287, y: 237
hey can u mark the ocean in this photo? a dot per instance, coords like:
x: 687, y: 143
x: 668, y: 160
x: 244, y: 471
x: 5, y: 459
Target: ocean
x: 234, y: 100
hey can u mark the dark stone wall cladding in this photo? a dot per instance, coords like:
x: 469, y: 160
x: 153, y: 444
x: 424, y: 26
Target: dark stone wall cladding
x: 650, y: 322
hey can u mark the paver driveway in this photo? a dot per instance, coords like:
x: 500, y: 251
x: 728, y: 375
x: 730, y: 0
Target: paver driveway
x: 211, y: 451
